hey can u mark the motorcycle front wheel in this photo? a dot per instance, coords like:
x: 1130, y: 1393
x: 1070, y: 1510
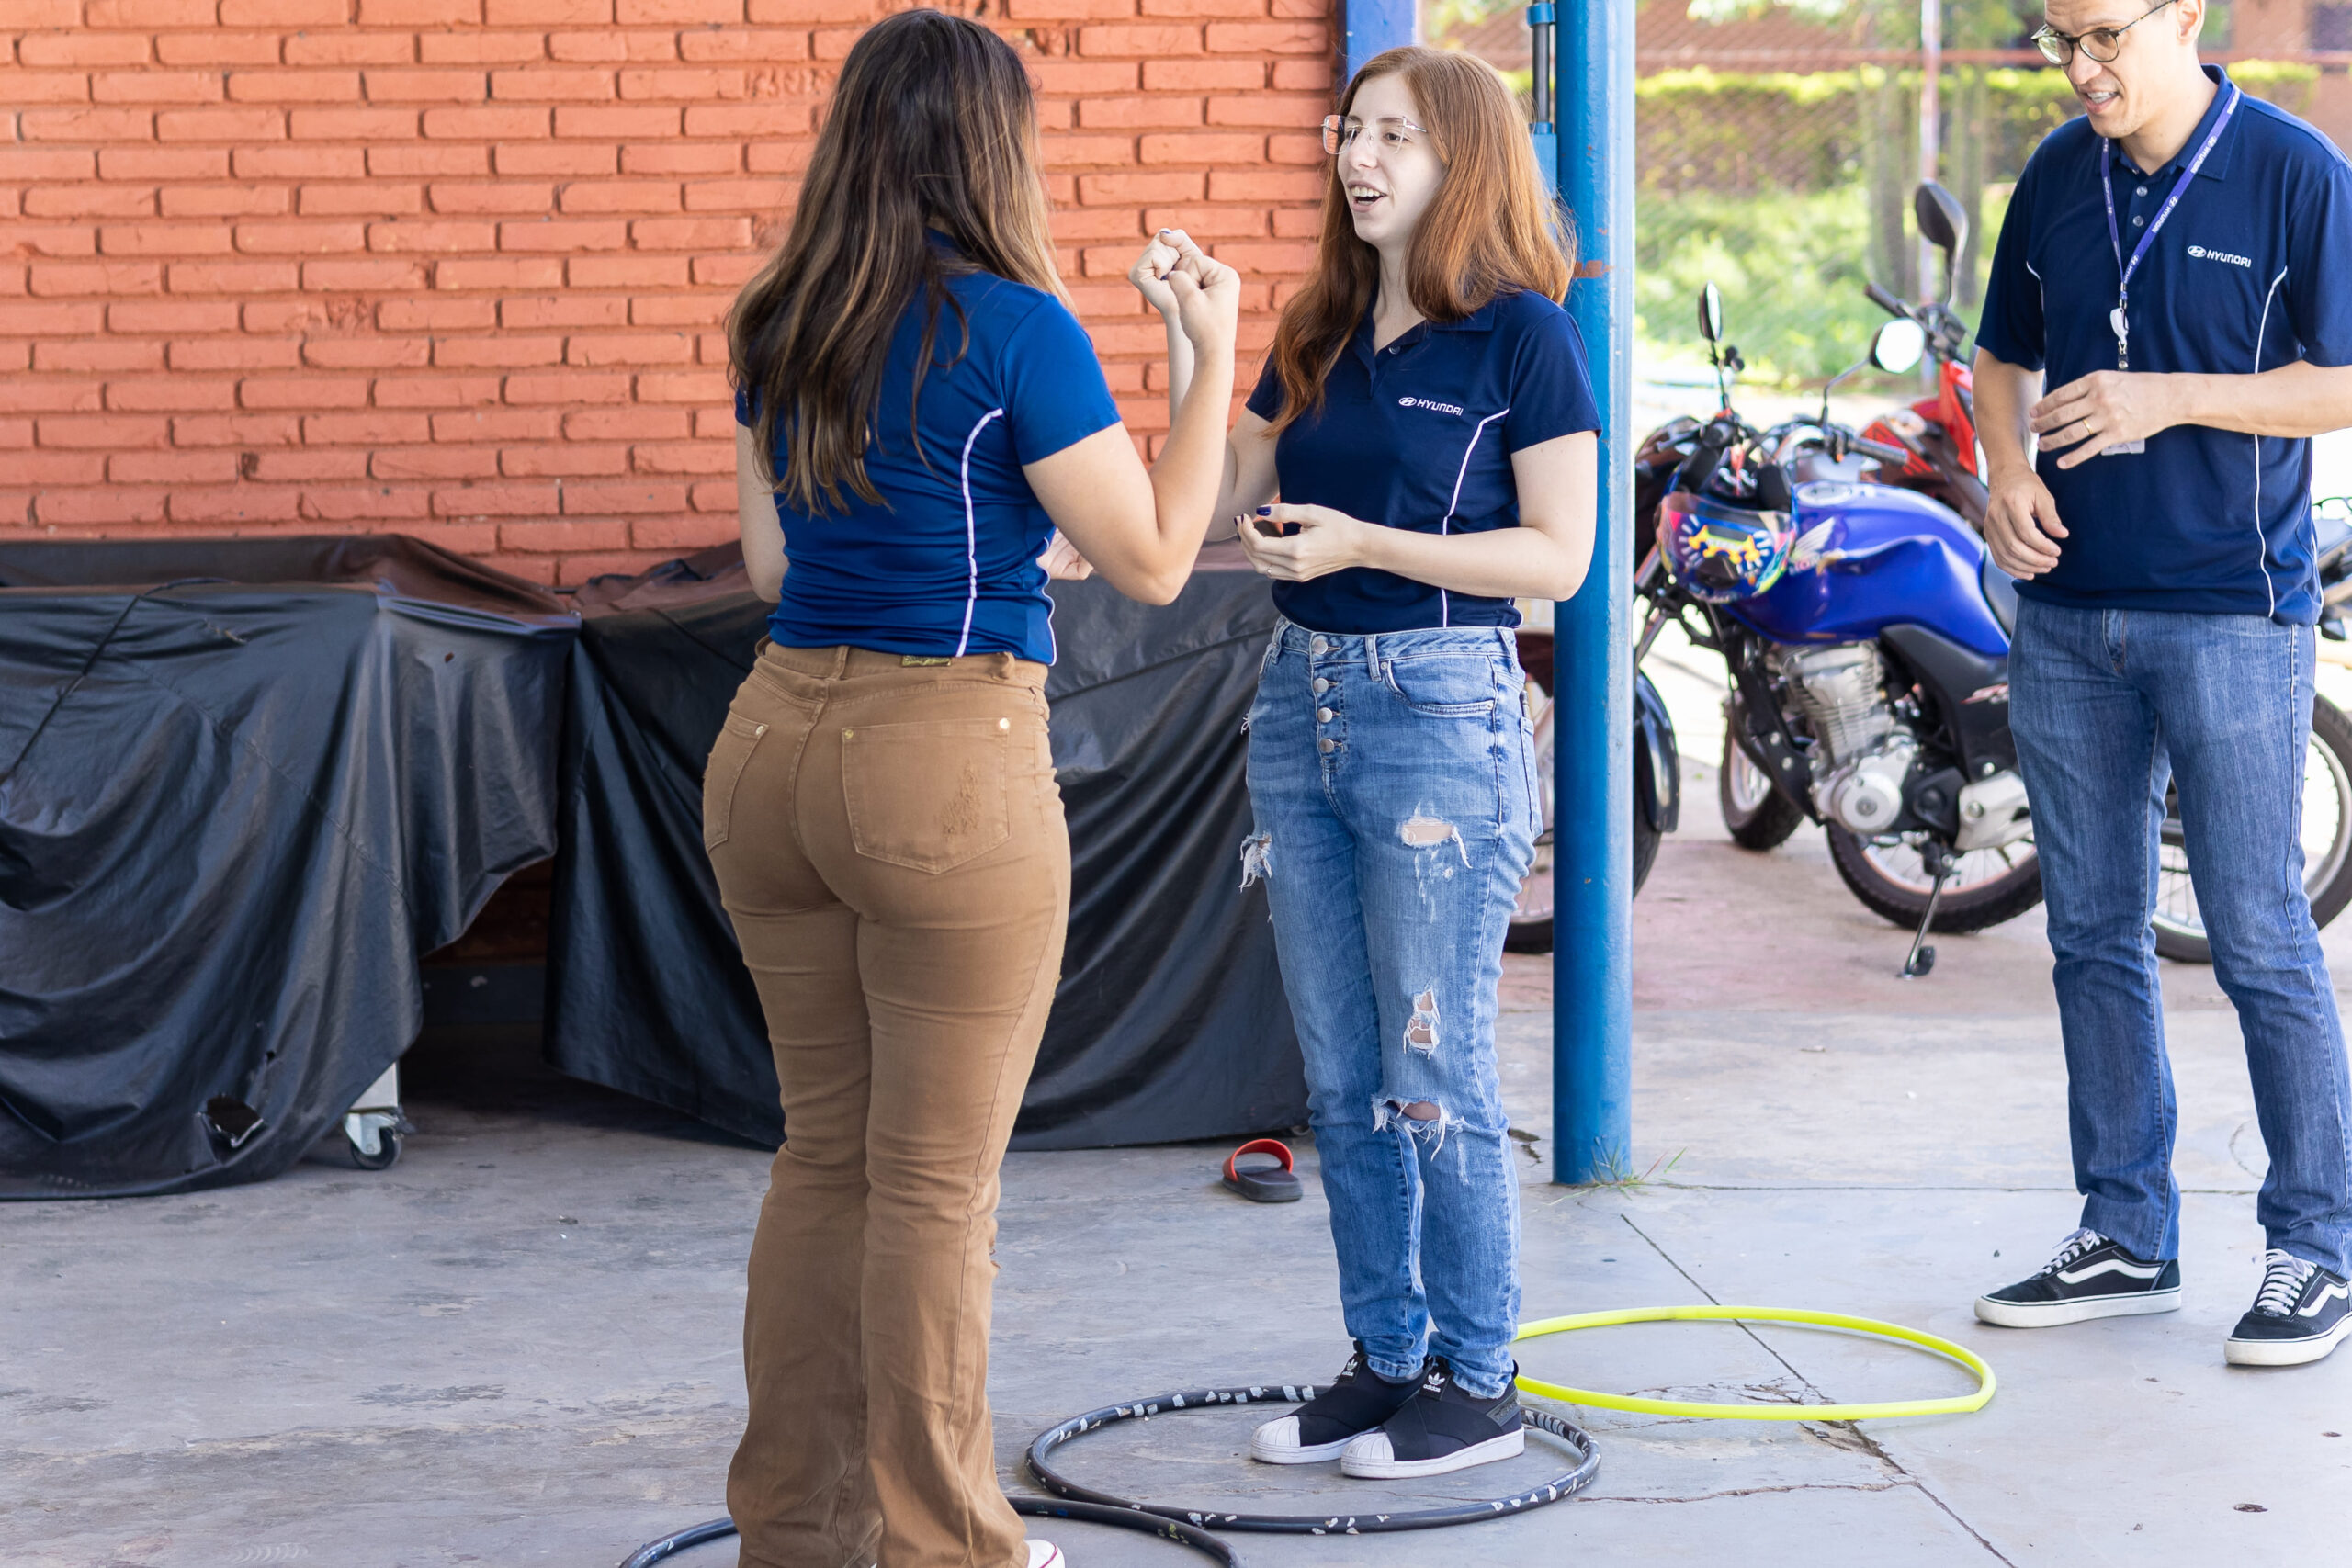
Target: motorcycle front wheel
x: 2328, y: 843
x: 1986, y: 888
x: 1759, y: 816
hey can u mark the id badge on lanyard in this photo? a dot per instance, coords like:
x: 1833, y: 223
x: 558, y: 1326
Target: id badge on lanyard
x: 2118, y: 320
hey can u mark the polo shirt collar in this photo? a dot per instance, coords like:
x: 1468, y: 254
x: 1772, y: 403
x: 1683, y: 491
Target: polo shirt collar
x: 2216, y: 166
x: 1481, y: 319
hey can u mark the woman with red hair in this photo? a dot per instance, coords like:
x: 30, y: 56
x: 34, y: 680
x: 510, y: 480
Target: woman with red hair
x: 1427, y: 422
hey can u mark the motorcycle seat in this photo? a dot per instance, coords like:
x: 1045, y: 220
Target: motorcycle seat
x: 2001, y: 593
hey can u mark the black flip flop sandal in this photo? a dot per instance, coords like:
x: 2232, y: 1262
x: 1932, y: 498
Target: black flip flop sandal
x: 1263, y: 1183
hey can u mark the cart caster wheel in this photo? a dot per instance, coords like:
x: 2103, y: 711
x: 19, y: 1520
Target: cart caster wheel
x: 362, y: 1129
x: 387, y: 1149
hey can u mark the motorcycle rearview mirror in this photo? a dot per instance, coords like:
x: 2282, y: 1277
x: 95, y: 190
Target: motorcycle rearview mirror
x: 1943, y: 224
x: 1725, y: 358
x: 1898, y: 346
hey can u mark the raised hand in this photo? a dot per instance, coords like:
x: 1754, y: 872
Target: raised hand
x: 1149, y: 274
x: 1207, y: 292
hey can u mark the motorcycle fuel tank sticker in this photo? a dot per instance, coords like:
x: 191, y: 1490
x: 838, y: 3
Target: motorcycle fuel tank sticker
x: 1813, y: 546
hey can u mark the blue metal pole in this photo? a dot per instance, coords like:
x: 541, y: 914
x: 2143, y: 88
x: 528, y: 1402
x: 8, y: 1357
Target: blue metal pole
x: 1592, y: 974
x: 1374, y: 26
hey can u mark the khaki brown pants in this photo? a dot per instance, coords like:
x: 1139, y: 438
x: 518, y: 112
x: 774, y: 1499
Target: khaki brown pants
x: 888, y: 842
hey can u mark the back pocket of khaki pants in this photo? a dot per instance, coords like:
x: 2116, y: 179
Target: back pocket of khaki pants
x: 927, y: 796
x: 737, y: 738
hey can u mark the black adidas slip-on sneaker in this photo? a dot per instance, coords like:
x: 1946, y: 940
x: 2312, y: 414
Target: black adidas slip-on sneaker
x: 1442, y: 1427
x: 2090, y: 1276
x: 2301, y: 1313
x: 1358, y: 1400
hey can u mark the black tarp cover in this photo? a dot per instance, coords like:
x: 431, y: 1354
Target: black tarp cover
x: 243, y: 784
x: 1170, y: 1022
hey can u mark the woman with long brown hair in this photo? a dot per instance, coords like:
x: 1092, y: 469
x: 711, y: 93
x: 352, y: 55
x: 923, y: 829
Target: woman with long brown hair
x: 1427, y: 420
x: 921, y: 411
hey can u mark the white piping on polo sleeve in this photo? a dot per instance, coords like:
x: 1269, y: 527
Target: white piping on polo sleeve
x: 971, y: 532
x: 1445, y: 524
x: 2042, y: 292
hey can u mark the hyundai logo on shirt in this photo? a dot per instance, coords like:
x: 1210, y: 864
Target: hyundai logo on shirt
x: 2202, y: 253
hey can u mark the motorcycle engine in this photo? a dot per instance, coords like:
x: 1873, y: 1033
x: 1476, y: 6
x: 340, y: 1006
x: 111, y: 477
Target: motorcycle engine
x: 1863, y: 755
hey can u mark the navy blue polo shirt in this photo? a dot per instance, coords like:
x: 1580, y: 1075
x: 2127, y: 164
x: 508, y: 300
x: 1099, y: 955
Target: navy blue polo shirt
x: 947, y: 564
x: 1420, y: 436
x: 2248, y: 274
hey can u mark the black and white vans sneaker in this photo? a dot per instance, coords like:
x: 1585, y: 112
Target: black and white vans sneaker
x: 1358, y: 1400
x: 1444, y: 1427
x: 2300, y: 1314
x: 2091, y: 1277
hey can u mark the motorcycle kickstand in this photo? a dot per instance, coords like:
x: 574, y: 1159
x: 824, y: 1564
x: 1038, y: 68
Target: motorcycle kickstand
x: 1922, y: 960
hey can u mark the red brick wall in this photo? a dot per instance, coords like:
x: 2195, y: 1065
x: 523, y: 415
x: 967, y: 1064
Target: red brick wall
x: 457, y: 267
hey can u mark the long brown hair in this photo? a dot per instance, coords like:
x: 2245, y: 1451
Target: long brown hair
x: 931, y: 127
x: 1492, y: 228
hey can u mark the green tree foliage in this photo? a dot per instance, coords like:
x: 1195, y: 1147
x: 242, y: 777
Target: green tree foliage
x: 1791, y: 189
x: 1765, y: 183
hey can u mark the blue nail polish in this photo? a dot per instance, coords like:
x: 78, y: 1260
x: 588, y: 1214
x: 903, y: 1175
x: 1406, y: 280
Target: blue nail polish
x: 1265, y: 512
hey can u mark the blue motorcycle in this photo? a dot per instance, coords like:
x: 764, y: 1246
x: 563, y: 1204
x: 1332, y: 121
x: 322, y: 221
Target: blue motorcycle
x: 1866, y: 632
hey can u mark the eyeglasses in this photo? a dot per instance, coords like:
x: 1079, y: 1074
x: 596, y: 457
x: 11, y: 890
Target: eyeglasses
x: 1395, y: 132
x: 2102, y: 44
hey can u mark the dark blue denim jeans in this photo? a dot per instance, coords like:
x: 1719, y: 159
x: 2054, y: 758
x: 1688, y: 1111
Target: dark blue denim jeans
x: 2107, y: 705
x: 1392, y: 779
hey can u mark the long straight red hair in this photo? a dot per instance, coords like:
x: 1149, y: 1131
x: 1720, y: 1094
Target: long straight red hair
x: 1492, y: 227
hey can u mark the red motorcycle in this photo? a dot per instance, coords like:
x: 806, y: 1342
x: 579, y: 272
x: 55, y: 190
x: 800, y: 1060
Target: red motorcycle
x: 1938, y: 432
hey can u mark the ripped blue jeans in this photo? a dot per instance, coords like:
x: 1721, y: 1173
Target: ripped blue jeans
x: 1393, y: 783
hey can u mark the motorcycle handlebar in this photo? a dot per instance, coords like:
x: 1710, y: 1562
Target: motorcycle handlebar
x: 1842, y: 441
x: 1886, y: 301
x: 1716, y: 438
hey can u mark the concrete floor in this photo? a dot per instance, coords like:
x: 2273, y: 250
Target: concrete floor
x: 519, y: 1344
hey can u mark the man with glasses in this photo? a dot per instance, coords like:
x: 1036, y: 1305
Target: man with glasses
x: 2167, y: 316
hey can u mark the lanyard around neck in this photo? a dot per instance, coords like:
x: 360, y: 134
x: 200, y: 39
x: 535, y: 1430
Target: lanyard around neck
x: 2119, y: 318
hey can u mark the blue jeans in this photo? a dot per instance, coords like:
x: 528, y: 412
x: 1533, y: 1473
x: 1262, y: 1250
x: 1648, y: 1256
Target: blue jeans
x: 2107, y: 705
x: 1393, y: 783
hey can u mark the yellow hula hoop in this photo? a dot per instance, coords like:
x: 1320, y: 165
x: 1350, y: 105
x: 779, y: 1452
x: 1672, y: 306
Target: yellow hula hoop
x: 1590, y: 1399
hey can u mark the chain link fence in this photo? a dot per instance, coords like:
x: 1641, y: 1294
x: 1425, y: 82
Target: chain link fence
x: 1779, y: 142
